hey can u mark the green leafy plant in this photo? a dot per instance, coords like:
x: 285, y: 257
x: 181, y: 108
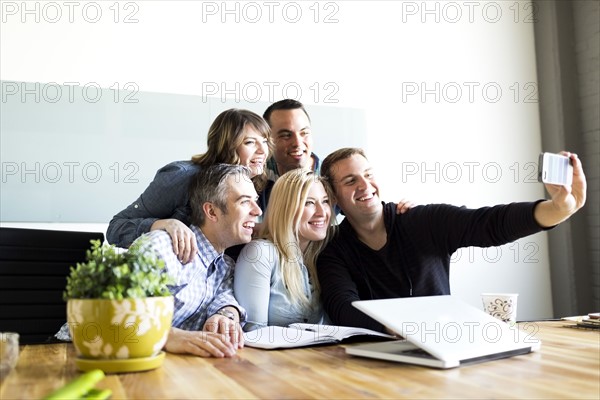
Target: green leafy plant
x: 110, y: 274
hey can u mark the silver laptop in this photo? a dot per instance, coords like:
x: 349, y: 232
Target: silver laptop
x: 442, y: 332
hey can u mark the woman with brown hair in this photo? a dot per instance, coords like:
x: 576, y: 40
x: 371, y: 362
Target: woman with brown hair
x: 235, y: 137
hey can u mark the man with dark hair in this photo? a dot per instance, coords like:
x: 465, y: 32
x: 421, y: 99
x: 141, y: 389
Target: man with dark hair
x: 292, y: 136
x: 207, y: 317
x: 378, y: 254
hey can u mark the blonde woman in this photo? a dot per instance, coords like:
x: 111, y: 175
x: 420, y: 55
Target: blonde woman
x: 275, y: 276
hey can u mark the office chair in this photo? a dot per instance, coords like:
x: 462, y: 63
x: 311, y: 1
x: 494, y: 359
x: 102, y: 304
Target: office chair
x: 34, y: 264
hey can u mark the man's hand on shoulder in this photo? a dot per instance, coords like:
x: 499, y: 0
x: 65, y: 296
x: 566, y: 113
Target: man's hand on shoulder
x: 404, y: 205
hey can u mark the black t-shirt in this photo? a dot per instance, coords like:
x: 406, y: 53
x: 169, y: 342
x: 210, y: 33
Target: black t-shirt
x: 416, y: 258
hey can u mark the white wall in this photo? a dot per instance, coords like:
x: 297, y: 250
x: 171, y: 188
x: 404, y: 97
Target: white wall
x: 374, y: 56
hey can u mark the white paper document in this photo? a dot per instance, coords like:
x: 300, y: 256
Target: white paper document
x: 300, y: 335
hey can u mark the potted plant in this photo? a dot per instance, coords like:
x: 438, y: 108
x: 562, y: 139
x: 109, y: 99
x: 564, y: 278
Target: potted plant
x: 119, y: 309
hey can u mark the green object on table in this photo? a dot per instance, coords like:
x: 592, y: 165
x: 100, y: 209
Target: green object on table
x: 79, y: 387
x: 98, y: 394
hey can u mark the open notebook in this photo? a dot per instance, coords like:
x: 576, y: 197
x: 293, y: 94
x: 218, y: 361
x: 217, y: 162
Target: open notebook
x: 301, y: 335
x: 441, y: 332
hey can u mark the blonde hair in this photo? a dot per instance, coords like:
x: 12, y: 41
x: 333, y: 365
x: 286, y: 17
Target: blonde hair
x: 281, y: 226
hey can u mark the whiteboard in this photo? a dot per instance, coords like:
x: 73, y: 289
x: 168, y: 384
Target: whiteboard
x: 82, y: 154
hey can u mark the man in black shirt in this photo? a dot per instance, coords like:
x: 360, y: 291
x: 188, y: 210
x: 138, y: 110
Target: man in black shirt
x: 378, y: 254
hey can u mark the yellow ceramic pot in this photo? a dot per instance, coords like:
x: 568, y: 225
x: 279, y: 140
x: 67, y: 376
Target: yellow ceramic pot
x: 119, y: 329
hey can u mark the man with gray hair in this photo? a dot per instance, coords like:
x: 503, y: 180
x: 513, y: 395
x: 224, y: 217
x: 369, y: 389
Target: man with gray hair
x: 206, y: 320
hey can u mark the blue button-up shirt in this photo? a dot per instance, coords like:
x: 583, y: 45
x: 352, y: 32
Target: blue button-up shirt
x: 202, y: 286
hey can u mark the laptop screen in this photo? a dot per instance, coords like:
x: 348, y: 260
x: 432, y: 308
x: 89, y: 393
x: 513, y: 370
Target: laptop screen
x: 447, y: 328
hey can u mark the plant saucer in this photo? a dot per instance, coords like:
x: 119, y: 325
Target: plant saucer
x: 121, y: 365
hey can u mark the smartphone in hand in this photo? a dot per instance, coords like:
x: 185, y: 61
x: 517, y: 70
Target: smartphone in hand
x: 555, y: 169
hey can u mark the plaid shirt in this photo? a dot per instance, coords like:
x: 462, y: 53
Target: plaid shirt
x: 203, y: 286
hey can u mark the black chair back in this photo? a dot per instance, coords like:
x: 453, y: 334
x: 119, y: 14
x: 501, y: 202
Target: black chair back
x: 34, y: 264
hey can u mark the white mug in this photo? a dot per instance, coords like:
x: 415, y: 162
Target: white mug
x: 501, y: 305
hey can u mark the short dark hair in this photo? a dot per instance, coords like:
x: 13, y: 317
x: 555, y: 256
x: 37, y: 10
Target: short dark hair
x: 286, y: 104
x: 208, y: 185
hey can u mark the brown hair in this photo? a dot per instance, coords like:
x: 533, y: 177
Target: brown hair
x: 225, y: 135
x: 338, y: 155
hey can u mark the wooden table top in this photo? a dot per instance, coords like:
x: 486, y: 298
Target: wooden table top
x: 567, y: 366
